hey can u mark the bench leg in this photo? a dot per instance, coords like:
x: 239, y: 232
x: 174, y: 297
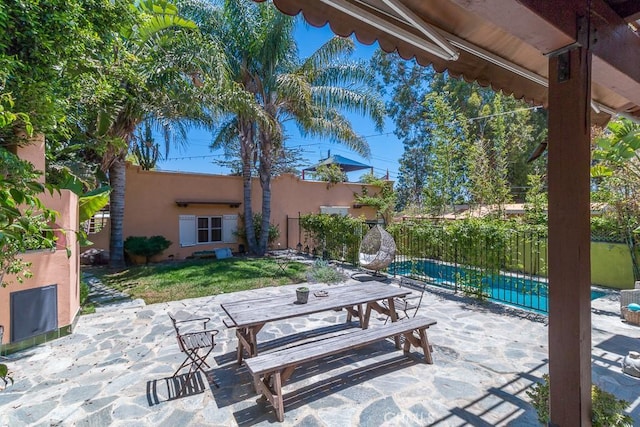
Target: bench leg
x: 278, y: 401
x: 271, y: 388
x: 420, y: 341
x: 426, y: 348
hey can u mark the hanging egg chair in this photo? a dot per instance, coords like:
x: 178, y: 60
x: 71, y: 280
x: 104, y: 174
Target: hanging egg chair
x: 377, y: 250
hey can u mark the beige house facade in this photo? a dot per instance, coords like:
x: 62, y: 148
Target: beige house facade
x: 202, y: 212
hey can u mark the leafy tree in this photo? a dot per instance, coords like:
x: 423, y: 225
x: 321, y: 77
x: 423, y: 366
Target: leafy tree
x: 331, y: 173
x: 145, y: 149
x: 617, y: 174
x: 536, y: 201
x: 384, y: 200
x: 488, y: 168
x: 413, y: 172
x: 446, y: 184
x: 42, y: 51
x: 408, y: 83
x: 24, y: 220
x: 497, y: 134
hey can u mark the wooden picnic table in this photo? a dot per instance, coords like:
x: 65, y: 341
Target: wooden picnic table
x: 250, y: 315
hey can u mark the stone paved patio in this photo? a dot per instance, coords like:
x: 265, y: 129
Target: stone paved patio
x: 112, y: 370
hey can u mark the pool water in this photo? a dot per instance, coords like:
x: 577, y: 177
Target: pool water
x: 529, y: 292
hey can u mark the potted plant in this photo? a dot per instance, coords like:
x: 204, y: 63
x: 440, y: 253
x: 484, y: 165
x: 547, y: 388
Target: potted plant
x: 302, y: 294
x: 607, y: 410
x: 5, y: 376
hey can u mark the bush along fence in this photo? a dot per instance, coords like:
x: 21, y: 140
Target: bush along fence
x: 334, y: 237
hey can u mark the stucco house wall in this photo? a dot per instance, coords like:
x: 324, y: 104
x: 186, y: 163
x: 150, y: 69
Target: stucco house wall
x: 49, y: 267
x: 156, y: 200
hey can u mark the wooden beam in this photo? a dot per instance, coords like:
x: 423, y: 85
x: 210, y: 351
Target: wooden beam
x: 628, y: 10
x: 550, y: 25
x: 569, y: 237
x: 615, y: 47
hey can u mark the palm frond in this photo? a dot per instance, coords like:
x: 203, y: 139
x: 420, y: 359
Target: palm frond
x: 334, y: 50
x: 335, y: 127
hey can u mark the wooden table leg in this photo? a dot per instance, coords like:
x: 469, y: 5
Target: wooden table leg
x: 367, y: 316
x: 247, y: 339
x: 426, y: 348
x: 394, y: 317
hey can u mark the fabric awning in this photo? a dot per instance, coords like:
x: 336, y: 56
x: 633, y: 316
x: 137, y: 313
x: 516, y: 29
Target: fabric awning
x: 345, y: 164
x: 500, y: 44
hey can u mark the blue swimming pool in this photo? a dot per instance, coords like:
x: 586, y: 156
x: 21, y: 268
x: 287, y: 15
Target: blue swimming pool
x: 529, y: 292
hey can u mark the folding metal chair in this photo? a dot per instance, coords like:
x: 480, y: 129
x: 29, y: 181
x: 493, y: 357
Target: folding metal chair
x: 191, y: 343
x: 407, y: 306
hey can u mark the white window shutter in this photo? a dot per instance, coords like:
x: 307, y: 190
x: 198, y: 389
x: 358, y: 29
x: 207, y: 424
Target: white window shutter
x: 229, y: 228
x: 187, y: 230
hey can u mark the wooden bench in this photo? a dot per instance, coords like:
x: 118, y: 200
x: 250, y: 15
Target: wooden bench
x: 271, y: 370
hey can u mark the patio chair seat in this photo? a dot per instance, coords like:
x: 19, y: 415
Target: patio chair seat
x: 191, y: 343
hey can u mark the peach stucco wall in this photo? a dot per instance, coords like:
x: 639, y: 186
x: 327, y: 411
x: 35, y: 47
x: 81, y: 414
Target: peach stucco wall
x: 151, y: 209
x: 52, y: 267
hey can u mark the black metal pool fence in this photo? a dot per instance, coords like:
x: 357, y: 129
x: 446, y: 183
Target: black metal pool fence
x: 481, y: 260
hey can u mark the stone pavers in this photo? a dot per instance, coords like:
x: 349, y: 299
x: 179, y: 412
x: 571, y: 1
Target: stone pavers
x: 112, y: 370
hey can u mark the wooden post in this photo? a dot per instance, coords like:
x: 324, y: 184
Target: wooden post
x: 569, y: 235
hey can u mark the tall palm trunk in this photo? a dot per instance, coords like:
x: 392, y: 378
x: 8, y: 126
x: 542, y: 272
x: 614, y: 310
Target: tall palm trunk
x: 246, y: 152
x: 117, y: 180
x: 265, y: 171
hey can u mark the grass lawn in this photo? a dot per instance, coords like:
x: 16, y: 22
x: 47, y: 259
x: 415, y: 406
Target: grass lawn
x: 178, y: 280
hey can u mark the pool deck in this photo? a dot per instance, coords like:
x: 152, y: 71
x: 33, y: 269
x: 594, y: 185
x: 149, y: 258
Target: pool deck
x: 111, y: 371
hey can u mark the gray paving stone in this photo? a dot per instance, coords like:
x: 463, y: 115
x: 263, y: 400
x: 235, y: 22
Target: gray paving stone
x: 309, y: 421
x: 380, y: 410
x: 483, y: 360
x: 452, y: 389
x: 95, y: 419
x: 360, y: 394
x: 95, y: 404
x: 78, y: 394
x: 29, y: 414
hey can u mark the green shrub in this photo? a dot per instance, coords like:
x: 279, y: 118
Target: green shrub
x: 607, y: 410
x: 146, y: 246
x: 335, y: 236
x: 5, y: 375
x: 323, y: 272
x: 87, y: 307
x: 274, y: 230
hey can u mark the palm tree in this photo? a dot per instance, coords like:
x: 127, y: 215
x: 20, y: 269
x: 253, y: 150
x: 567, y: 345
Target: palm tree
x: 263, y: 58
x: 158, y: 74
x: 313, y: 93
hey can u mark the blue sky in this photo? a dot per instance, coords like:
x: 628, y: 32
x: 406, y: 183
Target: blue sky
x: 386, y: 149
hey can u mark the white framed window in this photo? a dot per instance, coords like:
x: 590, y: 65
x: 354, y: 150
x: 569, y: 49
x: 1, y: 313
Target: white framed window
x: 335, y: 210
x: 209, y: 229
x: 198, y: 230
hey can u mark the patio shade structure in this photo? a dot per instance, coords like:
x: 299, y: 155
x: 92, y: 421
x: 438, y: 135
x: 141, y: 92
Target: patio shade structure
x: 577, y: 58
x: 345, y: 164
